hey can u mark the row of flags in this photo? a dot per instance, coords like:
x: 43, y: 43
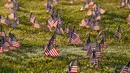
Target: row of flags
x: 94, y: 22
x: 12, y: 18
x: 54, y: 23
x: 7, y: 42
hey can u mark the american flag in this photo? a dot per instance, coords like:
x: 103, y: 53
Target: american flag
x: 118, y: 33
x: 37, y: 25
x: 59, y: 29
x: 87, y: 44
x: 2, y: 33
x: 126, y: 69
x: 74, y: 37
x: 32, y: 18
x: 67, y: 29
x: 98, y: 54
x: 53, y: 21
x: 89, y: 52
x: 13, y: 41
x: 50, y: 50
x: 15, y: 44
x: 102, y: 44
x: 94, y: 59
x: 53, y: 39
x: 96, y: 26
x: 101, y: 33
x: 73, y: 67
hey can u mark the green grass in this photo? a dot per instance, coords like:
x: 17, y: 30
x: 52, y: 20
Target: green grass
x: 29, y: 57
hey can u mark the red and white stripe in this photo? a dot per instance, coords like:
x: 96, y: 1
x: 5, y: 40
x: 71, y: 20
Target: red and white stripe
x: 125, y: 69
x: 15, y: 44
x: 52, y: 52
x: 74, y: 69
x: 1, y: 49
x: 76, y: 40
x: 95, y: 63
x: 46, y: 53
x: 89, y: 53
x: 98, y: 54
x: 2, y: 33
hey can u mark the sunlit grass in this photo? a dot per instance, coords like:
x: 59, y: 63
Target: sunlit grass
x: 29, y: 57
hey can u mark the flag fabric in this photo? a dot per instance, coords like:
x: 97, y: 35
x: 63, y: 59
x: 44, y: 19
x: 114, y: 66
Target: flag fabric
x: 15, y: 23
x: 84, y: 22
x: 74, y: 37
x: 49, y: 8
x: 95, y: 46
x: 37, y: 24
x: 85, y: 5
x: 128, y: 19
x: 98, y: 54
x: 94, y: 59
x: 53, y: 21
x: 87, y: 44
x: 73, y: 67
x: 59, y: 29
x: 96, y: 26
x: 2, y: 33
x: 1, y: 43
x: 32, y: 18
x: 90, y: 51
x: 53, y: 39
x: 102, y: 44
x: 101, y: 33
x: 12, y: 16
x: 13, y: 41
x: 50, y: 50
x: 126, y: 69
x: 5, y: 21
x: 118, y: 33
x: 1, y: 49
x: 67, y: 29
x: 5, y: 47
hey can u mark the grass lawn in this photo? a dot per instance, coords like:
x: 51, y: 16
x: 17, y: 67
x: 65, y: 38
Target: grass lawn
x: 29, y: 57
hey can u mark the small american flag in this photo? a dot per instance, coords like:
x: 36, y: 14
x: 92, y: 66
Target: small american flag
x: 13, y: 41
x: 87, y: 44
x: 53, y: 39
x: 2, y: 33
x: 118, y: 33
x: 53, y: 22
x: 98, y: 54
x: 74, y: 37
x: 102, y: 44
x: 32, y: 18
x: 89, y: 52
x: 67, y: 29
x: 50, y: 50
x: 73, y: 67
x: 94, y: 59
x: 59, y: 29
x: 15, y: 44
x: 126, y: 69
x: 101, y: 33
